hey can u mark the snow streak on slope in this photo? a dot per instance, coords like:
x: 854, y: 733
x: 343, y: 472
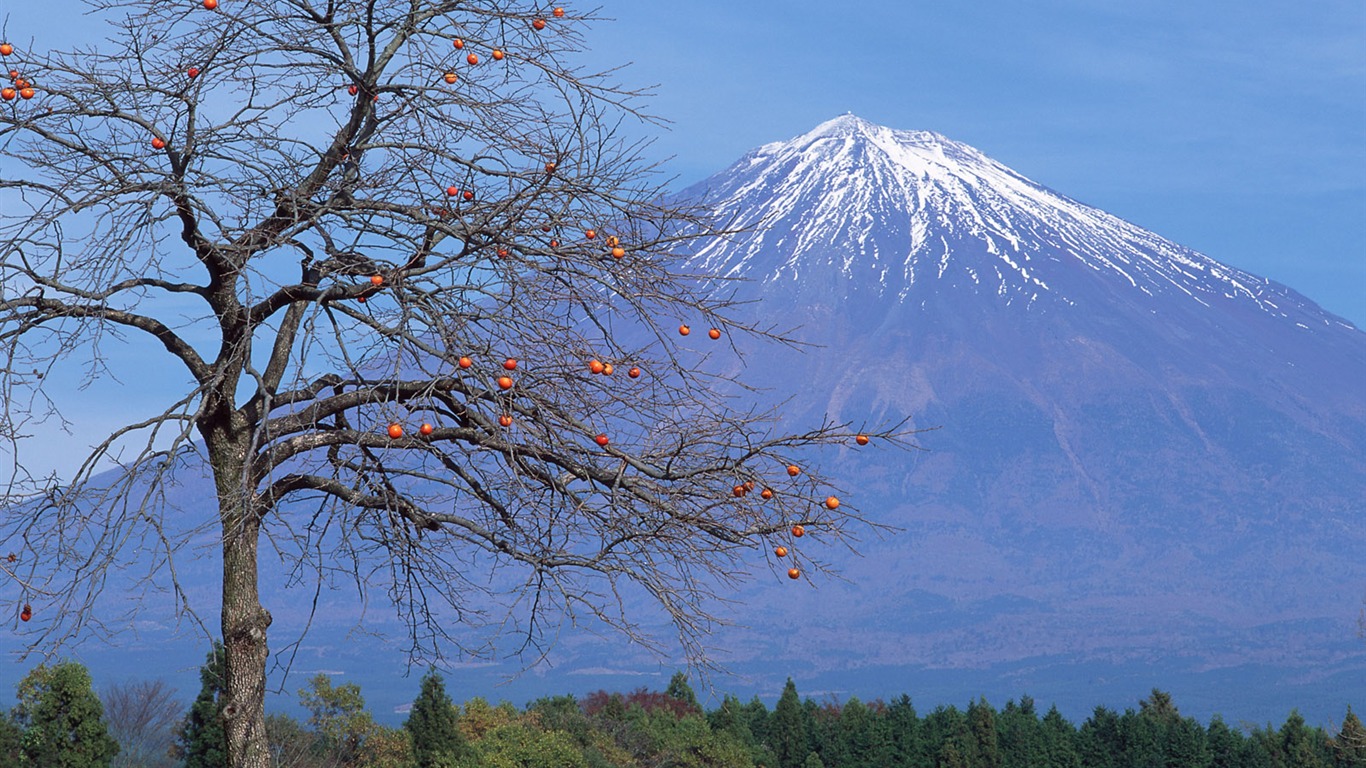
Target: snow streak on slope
x: 895, y: 209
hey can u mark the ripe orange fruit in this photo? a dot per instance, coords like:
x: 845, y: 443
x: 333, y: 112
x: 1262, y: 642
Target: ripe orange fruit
x: 6, y: 49
x: 539, y: 24
x: 590, y: 233
x: 739, y: 490
x: 510, y: 364
x: 634, y: 372
x: 596, y: 366
x: 831, y: 502
x: 458, y: 43
x: 468, y: 195
x: 684, y: 330
x: 766, y: 494
x: 861, y: 439
x: 450, y: 78
x: 607, y: 369
x: 502, y: 253
x: 559, y: 13
x: 715, y: 333
x: 794, y: 470
x: 793, y: 573
x: 361, y: 298
x: 193, y: 72
x: 158, y: 143
x: 497, y: 55
x: 505, y: 420
x: 798, y: 531
x: 27, y: 613
x: 452, y: 191
x: 395, y: 431
x: 618, y: 252
x: 780, y: 551
x: 20, y: 83
x: 377, y: 280
x: 465, y: 362
x: 472, y: 58
x: 210, y: 4
x: 8, y: 94
x: 505, y: 382
x: 601, y: 440
x: 426, y: 429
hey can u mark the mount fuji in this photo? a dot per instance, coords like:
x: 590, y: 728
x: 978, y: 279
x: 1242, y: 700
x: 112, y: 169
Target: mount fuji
x: 1150, y: 467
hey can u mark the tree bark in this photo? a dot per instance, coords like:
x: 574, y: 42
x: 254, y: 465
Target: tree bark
x: 244, y: 620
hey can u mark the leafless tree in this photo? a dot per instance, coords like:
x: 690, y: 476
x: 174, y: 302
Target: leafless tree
x: 338, y: 218
x: 142, y: 717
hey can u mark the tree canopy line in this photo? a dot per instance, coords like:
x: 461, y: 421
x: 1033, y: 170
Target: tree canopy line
x: 60, y: 721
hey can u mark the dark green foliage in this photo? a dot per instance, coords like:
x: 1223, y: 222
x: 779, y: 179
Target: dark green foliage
x: 1349, y: 747
x: 668, y: 729
x: 1060, y: 741
x: 787, y: 733
x: 201, y: 741
x: 63, y: 719
x: 1301, y: 746
x: 433, y: 725
x: 11, y: 740
x: 984, y: 750
x: 680, y: 690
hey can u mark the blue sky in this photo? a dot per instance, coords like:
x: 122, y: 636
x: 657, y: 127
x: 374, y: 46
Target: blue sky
x: 1237, y: 129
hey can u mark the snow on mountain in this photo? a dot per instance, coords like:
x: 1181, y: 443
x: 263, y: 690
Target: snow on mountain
x: 1146, y: 457
x: 894, y: 210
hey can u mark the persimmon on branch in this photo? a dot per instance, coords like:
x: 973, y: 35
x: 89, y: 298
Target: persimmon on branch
x: 384, y: 261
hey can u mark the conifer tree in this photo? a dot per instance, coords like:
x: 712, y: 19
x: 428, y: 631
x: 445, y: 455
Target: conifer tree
x: 202, y: 742
x: 679, y: 689
x: 63, y: 719
x: 434, y: 725
x: 986, y: 750
x: 787, y: 734
x: 1349, y: 748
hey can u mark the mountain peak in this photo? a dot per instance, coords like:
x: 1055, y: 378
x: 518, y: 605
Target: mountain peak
x: 852, y: 210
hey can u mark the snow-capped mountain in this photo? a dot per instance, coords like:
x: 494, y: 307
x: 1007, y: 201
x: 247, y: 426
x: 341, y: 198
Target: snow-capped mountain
x: 889, y: 210
x: 1145, y: 457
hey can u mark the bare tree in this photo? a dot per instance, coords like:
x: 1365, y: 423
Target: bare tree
x: 380, y: 242
x: 142, y: 717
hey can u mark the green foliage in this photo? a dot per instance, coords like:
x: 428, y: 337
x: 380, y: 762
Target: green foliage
x: 202, y: 741
x: 433, y: 725
x: 984, y: 746
x: 787, y: 733
x: 11, y: 740
x: 521, y: 745
x: 63, y: 719
x: 666, y: 729
x: 680, y: 690
x: 339, y: 719
x: 1349, y: 748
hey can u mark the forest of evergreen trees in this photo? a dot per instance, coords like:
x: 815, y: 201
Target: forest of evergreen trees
x: 59, y: 720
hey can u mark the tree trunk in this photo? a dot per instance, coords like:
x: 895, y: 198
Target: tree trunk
x: 244, y: 619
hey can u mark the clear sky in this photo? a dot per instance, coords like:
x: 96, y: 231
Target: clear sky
x: 1235, y: 128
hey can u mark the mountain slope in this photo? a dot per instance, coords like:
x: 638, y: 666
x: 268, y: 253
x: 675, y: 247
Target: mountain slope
x: 1144, y: 453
